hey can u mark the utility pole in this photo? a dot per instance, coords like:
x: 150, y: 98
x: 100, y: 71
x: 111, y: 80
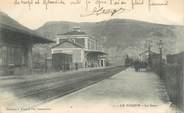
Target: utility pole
x: 160, y: 45
x: 46, y: 62
x: 148, y: 45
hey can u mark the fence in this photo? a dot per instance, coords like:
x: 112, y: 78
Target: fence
x: 173, y: 73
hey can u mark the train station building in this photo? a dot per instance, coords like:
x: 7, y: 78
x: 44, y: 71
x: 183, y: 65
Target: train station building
x: 75, y: 49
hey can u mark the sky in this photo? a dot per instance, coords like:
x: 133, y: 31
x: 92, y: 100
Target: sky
x: 36, y: 15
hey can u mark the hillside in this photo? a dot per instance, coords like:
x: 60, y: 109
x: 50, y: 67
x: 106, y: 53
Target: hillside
x: 119, y: 36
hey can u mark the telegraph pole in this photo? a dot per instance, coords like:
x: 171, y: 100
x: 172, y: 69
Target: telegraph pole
x: 149, y: 44
x: 160, y: 45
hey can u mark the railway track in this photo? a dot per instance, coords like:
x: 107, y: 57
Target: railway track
x: 49, y: 89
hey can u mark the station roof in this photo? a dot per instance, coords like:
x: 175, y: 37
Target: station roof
x: 10, y: 24
x: 95, y: 52
x: 74, y: 33
x: 67, y: 41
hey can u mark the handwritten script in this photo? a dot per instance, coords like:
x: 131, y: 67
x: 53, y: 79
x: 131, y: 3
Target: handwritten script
x: 97, y: 7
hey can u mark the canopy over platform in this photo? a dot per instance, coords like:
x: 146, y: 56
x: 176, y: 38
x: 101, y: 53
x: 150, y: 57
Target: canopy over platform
x: 95, y: 52
x: 9, y: 24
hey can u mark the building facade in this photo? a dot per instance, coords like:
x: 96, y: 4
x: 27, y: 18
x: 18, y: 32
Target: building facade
x: 80, y: 50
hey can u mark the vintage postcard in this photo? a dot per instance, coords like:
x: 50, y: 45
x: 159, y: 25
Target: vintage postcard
x: 91, y: 56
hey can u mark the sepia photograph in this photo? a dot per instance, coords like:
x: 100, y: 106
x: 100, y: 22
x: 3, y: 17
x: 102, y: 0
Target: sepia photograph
x: 91, y: 56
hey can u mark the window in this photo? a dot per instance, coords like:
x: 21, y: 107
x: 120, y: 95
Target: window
x: 73, y: 40
x: 91, y: 44
x: 88, y: 44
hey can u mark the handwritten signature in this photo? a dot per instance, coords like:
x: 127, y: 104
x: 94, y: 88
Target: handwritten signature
x: 99, y: 11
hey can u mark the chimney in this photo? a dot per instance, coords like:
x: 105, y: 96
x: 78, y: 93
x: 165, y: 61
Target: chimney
x: 57, y: 40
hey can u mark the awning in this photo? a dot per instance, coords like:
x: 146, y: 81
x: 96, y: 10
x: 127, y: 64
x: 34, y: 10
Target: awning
x: 9, y: 24
x: 95, y: 52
